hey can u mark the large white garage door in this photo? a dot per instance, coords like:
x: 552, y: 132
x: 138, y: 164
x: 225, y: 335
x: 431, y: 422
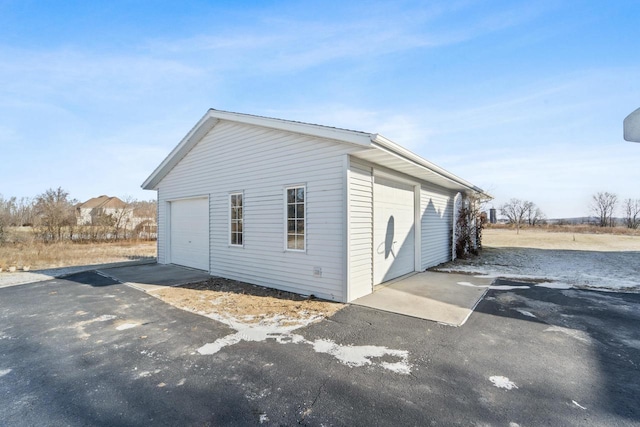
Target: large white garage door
x: 190, y: 233
x: 393, y: 230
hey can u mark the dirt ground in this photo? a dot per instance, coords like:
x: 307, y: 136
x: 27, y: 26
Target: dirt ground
x: 244, y: 302
x: 541, y: 239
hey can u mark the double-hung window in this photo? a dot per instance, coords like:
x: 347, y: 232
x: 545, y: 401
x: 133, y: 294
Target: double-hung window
x: 236, y: 216
x: 296, y: 226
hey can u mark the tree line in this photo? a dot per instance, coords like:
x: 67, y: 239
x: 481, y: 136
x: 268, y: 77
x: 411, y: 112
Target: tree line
x: 604, y: 205
x: 52, y: 216
x: 602, y: 209
x: 522, y: 212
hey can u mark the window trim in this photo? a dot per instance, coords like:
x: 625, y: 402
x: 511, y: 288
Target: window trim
x: 286, y: 218
x: 230, y: 207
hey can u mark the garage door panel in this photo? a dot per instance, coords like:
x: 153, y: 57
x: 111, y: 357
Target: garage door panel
x: 394, y: 229
x: 190, y: 233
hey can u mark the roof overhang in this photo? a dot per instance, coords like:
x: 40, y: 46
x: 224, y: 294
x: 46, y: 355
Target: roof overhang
x: 373, y: 147
x: 387, y: 153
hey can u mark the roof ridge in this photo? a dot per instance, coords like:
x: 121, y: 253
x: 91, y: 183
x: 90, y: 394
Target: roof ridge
x: 291, y: 121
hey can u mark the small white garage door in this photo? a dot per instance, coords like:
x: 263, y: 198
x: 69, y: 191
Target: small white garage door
x: 190, y: 233
x: 393, y: 230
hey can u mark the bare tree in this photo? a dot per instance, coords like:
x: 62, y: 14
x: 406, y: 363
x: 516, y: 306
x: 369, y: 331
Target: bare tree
x: 516, y: 211
x: 534, y: 214
x: 122, y: 218
x: 23, y: 214
x: 14, y: 213
x: 632, y: 213
x: 603, y: 204
x: 5, y: 217
x: 54, y: 211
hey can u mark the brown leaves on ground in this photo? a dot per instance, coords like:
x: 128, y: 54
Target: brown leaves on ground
x: 245, y: 302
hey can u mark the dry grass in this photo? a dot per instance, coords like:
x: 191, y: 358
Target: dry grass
x: 575, y: 229
x: 38, y: 255
x: 539, y: 238
x: 247, y: 303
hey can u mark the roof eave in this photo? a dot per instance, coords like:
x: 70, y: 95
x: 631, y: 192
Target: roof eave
x: 381, y: 142
x: 204, y: 125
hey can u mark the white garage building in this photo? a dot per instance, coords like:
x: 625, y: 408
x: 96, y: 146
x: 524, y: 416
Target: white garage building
x: 301, y: 207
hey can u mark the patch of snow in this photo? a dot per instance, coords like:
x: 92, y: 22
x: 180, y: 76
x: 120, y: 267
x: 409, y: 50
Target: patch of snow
x: 219, y: 344
x: 502, y: 382
x: 280, y: 329
x: 507, y: 287
x: 264, y: 418
x: 554, y: 285
x: 145, y: 374
x: 578, y: 405
x: 471, y: 285
x: 494, y: 287
x: 127, y: 326
x: 526, y: 313
x: 4, y: 372
x: 556, y: 268
x: 361, y: 355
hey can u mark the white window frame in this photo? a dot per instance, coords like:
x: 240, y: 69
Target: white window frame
x: 230, y: 207
x: 286, y: 218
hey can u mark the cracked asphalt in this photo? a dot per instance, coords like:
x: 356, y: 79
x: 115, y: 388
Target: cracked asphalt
x: 86, y: 350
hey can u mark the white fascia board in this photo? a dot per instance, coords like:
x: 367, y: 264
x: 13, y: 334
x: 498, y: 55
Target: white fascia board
x: 341, y: 135
x: 392, y: 148
x: 204, y: 125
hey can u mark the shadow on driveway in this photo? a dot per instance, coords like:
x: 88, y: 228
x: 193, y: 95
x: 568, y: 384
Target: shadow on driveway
x: 600, y: 327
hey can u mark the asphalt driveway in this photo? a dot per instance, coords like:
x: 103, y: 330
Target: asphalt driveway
x: 86, y: 350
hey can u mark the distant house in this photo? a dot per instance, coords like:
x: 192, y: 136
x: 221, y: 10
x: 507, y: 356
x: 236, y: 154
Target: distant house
x: 94, y: 210
x: 116, y: 219
x: 302, y: 207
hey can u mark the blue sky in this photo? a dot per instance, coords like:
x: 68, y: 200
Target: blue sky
x: 523, y: 98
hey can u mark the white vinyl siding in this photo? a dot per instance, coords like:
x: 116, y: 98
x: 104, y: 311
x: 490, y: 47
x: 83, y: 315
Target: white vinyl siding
x: 271, y: 160
x: 436, y: 213
x: 360, y: 229
x: 161, y: 243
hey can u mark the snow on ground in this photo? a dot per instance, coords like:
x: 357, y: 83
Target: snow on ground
x: 502, y: 382
x: 560, y: 269
x: 280, y: 329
